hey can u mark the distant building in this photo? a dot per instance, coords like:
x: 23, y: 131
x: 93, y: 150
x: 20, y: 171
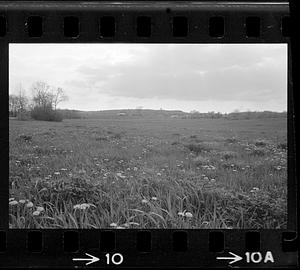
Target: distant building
x: 174, y: 116
x: 121, y: 114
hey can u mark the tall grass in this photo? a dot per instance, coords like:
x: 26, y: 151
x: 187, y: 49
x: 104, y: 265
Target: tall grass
x: 130, y: 174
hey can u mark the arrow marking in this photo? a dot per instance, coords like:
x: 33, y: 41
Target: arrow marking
x: 234, y: 259
x: 92, y: 259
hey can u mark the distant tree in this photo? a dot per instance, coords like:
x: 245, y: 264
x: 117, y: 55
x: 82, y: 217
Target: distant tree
x: 22, y: 99
x: 58, y: 96
x: 42, y: 96
x: 45, y: 100
x: 13, y: 105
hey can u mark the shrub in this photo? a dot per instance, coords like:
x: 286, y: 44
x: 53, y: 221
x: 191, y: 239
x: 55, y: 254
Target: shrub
x: 46, y: 114
x: 23, y: 116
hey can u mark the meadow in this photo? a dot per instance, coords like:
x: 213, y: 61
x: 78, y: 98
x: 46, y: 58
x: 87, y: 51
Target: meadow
x: 148, y: 173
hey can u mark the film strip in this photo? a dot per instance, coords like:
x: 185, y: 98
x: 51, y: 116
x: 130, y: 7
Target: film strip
x: 151, y: 23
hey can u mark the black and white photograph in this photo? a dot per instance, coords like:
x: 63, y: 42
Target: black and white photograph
x: 158, y: 136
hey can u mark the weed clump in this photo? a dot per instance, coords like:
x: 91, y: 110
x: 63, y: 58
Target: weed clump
x: 198, y: 148
x: 23, y: 137
x: 282, y: 146
x: 231, y: 140
x: 257, y: 152
x: 200, y: 160
x: 260, y: 143
x: 228, y: 154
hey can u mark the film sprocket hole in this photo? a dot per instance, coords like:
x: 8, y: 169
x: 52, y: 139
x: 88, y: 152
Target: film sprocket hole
x: 147, y: 135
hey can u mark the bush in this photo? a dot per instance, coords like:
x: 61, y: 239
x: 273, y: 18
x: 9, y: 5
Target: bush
x: 46, y: 114
x: 23, y: 116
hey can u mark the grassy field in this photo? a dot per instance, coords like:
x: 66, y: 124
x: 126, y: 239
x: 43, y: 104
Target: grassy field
x: 137, y: 173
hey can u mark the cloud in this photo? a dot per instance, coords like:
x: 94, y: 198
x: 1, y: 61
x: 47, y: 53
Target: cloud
x: 186, y: 73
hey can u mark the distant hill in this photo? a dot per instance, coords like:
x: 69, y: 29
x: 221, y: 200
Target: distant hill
x: 150, y: 114
x: 135, y: 113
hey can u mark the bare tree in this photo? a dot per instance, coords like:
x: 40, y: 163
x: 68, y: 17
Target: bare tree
x: 42, y: 96
x: 58, y: 96
x: 13, y: 105
x: 22, y: 99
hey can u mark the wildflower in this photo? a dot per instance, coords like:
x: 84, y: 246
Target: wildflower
x: 205, y: 178
x: 234, y: 170
x: 135, y: 169
x: 22, y: 201
x: 29, y: 205
x: 188, y: 214
x: 181, y: 214
x: 57, y: 173
x: 145, y: 201
x: 63, y: 169
x: 13, y: 203
x: 83, y: 206
x: 159, y: 174
x: 40, y: 209
x: 11, y: 199
x: 212, y: 180
x: 76, y: 206
x: 256, y: 188
x: 113, y: 224
x: 121, y: 176
x: 154, y: 198
x: 36, y: 213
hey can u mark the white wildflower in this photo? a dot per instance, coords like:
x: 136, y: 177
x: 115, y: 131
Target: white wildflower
x: 29, y: 205
x: 188, y: 214
x: 40, y: 209
x: 13, y: 203
x: 36, y: 213
x: 181, y: 214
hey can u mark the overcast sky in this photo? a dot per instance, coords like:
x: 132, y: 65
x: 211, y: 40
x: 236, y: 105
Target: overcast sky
x: 203, y: 77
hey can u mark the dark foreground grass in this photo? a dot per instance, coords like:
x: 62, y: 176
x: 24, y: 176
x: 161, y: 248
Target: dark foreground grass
x: 132, y: 173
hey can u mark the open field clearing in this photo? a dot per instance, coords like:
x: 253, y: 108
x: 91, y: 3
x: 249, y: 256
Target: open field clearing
x: 148, y: 173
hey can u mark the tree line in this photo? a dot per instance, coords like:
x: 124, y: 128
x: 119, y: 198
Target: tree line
x: 236, y: 114
x: 42, y: 105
